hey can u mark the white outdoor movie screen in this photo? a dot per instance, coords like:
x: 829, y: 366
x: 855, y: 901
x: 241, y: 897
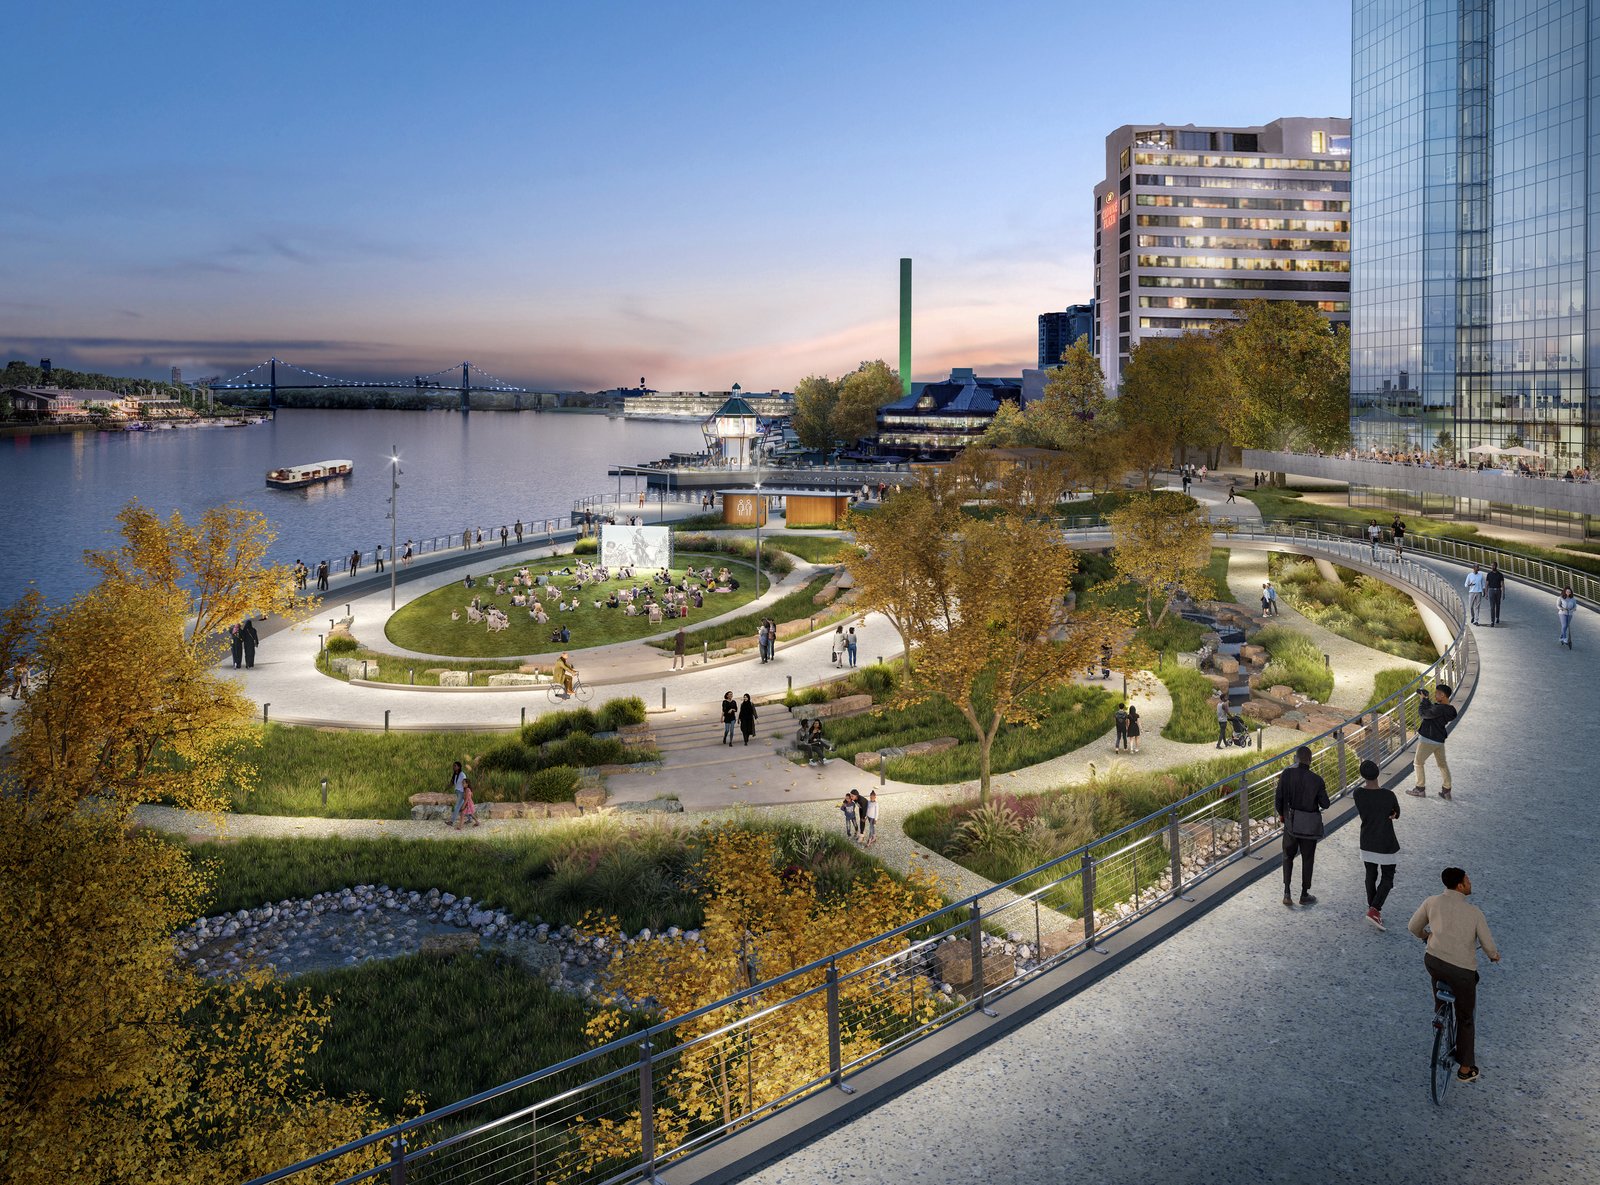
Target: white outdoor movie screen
x: 646, y: 548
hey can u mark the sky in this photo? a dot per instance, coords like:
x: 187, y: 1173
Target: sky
x: 578, y: 195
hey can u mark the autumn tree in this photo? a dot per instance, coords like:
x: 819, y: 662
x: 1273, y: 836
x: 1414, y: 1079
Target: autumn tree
x: 861, y: 393
x: 1172, y: 393
x: 815, y: 397
x: 764, y: 918
x: 1162, y: 543
x: 120, y: 1064
x: 1291, y: 378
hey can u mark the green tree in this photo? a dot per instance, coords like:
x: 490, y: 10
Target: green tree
x: 1072, y: 413
x: 860, y: 394
x: 1291, y: 376
x: 815, y: 397
x: 1161, y: 542
x: 1172, y: 390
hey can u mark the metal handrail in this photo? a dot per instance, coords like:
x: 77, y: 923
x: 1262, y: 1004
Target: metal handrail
x: 1231, y: 794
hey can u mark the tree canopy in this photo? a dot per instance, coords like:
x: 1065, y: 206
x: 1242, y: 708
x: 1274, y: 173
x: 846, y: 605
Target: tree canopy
x: 1172, y: 394
x: 1161, y: 542
x: 843, y: 409
x: 1291, y: 377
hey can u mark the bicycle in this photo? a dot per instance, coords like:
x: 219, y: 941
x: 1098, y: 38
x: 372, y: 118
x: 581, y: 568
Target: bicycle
x: 1442, y: 1066
x: 581, y: 692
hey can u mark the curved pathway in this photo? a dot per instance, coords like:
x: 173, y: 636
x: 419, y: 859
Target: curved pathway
x: 1265, y: 1044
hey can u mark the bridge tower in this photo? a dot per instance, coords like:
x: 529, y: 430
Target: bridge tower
x: 466, y: 386
x: 272, y: 398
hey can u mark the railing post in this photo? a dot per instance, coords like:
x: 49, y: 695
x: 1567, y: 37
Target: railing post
x: 1244, y: 813
x: 1401, y: 713
x: 397, y: 1161
x: 647, y: 1112
x: 1338, y: 741
x: 1176, y: 840
x: 979, y: 987
x: 1086, y: 877
x: 835, y: 1060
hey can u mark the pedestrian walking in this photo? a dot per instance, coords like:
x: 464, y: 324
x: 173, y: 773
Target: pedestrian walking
x: 1454, y: 930
x: 377, y: 559
x: 1398, y: 530
x: 1224, y: 720
x: 1476, y: 585
x: 300, y: 573
x: 680, y: 641
x: 1186, y: 481
x: 1378, y: 808
x: 837, y: 645
x: 1566, y: 606
x: 405, y: 557
x: 236, y: 645
x: 458, y: 787
x: 848, y: 807
x: 466, y: 538
x: 763, y: 640
x: 850, y: 644
x: 1374, y: 536
x: 730, y: 717
x: 518, y: 529
x: 1133, y: 730
x: 747, y: 718
x: 1436, y: 717
x: 1232, y: 492
x: 1299, y: 801
x: 479, y: 540
x: 469, y: 808
x: 505, y: 536
x: 1495, y: 579
x: 872, y: 818
x: 861, y: 815
x: 1121, y: 719
x: 322, y: 576
x: 251, y: 639
x: 355, y: 562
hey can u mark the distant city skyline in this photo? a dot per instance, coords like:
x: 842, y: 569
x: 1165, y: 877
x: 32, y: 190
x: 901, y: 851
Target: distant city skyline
x: 575, y: 196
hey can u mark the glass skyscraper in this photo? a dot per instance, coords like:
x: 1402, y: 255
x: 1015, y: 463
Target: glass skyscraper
x: 1476, y: 225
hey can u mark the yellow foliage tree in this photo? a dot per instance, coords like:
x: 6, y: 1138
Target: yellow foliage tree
x: 1161, y: 542
x: 119, y: 1064
x: 762, y: 920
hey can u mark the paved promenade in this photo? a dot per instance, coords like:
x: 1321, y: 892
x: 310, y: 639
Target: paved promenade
x: 1264, y: 1044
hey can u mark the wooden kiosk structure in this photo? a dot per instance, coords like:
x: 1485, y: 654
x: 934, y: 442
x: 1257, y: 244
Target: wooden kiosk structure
x: 802, y: 508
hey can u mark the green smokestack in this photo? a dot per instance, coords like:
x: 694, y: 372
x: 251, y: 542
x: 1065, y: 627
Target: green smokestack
x: 905, y: 327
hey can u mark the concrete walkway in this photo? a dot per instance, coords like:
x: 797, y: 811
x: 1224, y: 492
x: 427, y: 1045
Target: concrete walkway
x: 1266, y: 1044
x: 1354, y: 665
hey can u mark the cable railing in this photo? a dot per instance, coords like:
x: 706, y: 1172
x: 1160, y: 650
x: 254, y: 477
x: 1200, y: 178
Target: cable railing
x: 623, y: 1110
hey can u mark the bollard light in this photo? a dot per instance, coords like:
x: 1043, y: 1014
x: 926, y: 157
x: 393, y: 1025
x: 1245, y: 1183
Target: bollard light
x: 264, y: 708
x: 524, y: 715
x: 324, y: 791
x: 319, y: 646
x: 663, y: 699
x: 413, y: 676
x: 347, y: 612
x: 791, y: 683
x: 1326, y: 662
x: 386, y: 720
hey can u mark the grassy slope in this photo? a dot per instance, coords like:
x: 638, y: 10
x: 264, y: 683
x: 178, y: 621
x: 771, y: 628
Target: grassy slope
x: 425, y: 626
x: 791, y: 606
x: 1360, y: 608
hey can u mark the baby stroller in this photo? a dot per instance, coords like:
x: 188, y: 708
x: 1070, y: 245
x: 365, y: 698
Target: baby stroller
x: 1241, y: 734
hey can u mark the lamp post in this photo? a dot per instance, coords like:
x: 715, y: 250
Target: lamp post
x: 760, y: 515
x: 394, y: 506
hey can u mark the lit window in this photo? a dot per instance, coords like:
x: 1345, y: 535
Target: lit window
x: 1319, y: 142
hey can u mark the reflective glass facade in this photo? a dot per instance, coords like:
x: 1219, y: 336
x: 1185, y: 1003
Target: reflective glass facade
x: 1471, y: 270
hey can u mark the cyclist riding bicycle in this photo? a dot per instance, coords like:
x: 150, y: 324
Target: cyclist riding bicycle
x: 566, y: 674
x: 1454, y: 930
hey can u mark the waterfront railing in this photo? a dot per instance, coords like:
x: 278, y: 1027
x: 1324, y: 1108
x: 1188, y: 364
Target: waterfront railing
x: 624, y: 1110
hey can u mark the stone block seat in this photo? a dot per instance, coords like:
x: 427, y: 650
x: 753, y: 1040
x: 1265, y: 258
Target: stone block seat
x: 833, y: 709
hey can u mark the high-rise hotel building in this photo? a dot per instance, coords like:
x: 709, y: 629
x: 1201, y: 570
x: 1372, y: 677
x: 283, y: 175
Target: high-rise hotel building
x: 1191, y: 222
x: 1477, y: 262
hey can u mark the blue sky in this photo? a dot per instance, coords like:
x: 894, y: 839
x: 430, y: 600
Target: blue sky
x: 577, y: 195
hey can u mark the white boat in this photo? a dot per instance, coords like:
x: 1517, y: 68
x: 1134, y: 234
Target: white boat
x: 295, y: 476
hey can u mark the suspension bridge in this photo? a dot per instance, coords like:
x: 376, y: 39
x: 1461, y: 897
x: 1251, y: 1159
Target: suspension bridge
x: 463, y: 379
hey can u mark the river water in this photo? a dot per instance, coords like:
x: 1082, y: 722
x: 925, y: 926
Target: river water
x: 60, y: 494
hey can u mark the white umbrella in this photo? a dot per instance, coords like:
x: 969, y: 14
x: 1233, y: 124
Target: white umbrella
x: 1519, y: 451
x: 1487, y: 450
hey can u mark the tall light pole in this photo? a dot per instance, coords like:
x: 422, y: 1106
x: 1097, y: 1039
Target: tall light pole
x: 761, y: 514
x: 394, y: 514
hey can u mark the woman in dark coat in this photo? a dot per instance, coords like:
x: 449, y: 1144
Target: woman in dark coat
x: 236, y: 641
x: 747, y: 718
x: 247, y: 632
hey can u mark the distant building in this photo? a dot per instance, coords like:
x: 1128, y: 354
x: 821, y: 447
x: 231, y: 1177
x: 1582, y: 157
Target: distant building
x: 1191, y: 222
x: 53, y: 402
x: 937, y: 420
x: 1059, y: 332
x: 177, y: 376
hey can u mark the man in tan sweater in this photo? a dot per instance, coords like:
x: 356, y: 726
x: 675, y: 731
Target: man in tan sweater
x: 1454, y: 929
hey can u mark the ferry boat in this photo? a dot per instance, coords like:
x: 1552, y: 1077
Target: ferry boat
x: 295, y: 476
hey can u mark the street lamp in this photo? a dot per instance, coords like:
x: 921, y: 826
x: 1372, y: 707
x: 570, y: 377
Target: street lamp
x: 394, y: 506
x: 760, y: 515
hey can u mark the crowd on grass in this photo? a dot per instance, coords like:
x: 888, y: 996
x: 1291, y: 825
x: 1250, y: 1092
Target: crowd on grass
x: 568, y: 589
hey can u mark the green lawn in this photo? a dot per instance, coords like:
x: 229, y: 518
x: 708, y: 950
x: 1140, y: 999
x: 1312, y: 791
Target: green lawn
x: 425, y: 624
x: 1359, y: 607
x: 1194, y: 705
x: 1073, y: 717
x: 792, y: 606
x: 814, y: 549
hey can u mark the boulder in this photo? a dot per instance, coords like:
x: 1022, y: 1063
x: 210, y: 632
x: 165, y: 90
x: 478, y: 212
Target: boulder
x: 867, y: 759
x: 513, y: 679
x: 564, y: 810
x: 455, y: 679
x: 1260, y: 709
x: 826, y: 595
x: 666, y: 806
x: 1253, y: 654
x: 589, y: 798
x: 1225, y: 665
x: 845, y: 705
x: 512, y: 810
x: 448, y: 945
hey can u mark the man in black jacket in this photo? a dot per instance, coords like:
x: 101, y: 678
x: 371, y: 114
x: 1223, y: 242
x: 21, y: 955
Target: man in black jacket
x: 1299, y: 801
x: 1436, y: 718
x: 1496, y: 582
